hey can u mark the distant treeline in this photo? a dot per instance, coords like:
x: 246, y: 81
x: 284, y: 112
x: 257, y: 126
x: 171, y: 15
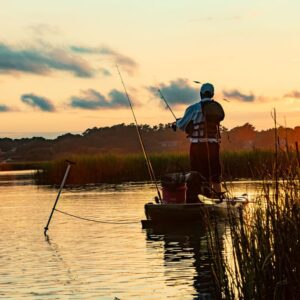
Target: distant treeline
x: 97, y: 169
x: 122, y: 139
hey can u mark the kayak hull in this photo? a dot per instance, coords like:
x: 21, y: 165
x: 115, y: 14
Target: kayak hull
x: 189, y: 213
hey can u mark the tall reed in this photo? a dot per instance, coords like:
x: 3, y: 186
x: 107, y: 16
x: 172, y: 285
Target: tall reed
x: 265, y: 240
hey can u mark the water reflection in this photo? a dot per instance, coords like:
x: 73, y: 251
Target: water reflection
x: 58, y: 257
x: 185, y: 252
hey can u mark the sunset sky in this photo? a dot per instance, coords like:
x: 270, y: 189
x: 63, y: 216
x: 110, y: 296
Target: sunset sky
x: 58, y: 62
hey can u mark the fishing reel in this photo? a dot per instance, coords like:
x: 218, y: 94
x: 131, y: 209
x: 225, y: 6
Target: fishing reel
x: 174, y: 126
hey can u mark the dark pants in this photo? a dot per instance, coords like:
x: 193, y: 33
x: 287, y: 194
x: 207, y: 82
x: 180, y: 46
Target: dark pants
x: 204, y: 159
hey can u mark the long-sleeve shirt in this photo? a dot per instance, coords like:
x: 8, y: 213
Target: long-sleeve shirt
x: 194, y: 113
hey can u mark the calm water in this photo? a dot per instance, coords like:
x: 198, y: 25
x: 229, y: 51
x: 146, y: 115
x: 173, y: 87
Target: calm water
x: 84, y: 260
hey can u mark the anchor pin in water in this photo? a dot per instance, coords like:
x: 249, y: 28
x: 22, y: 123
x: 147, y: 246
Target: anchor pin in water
x: 70, y: 163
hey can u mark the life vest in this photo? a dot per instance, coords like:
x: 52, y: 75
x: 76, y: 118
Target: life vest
x: 209, y: 127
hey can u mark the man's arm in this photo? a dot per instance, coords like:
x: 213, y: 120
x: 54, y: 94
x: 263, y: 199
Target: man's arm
x: 187, y: 117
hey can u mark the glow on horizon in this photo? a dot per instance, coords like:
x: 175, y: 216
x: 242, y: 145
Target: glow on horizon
x: 245, y: 47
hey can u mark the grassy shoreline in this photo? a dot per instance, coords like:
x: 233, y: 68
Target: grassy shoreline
x: 112, y: 168
x: 20, y: 166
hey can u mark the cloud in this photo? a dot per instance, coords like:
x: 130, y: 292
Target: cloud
x: 41, y: 61
x: 39, y: 102
x: 127, y: 63
x: 237, y: 95
x: 91, y: 99
x: 176, y: 92
x: 293, y: 94
x: 4, y: 108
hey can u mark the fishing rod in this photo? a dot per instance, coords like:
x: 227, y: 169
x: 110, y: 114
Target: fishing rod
x: 148, y: 162
x: 166, y: 102
x: 168, y: 106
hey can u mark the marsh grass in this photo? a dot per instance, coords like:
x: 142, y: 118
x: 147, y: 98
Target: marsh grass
x: 111, y: 168
x: 265, y: 241
x: 256, y: 164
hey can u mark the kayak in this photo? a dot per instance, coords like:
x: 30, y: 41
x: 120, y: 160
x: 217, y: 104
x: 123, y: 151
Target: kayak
x: 190, y: 213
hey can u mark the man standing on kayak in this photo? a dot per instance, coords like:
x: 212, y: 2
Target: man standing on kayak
x: 201, y: 122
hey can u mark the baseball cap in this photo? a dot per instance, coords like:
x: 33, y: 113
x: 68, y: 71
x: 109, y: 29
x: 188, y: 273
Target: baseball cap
x: 207, y: 87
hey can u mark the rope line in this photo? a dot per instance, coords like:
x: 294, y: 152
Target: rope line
x: 93, y: 220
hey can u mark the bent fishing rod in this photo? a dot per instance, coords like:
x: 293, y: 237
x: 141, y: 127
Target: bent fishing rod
x: 168, y: 106
x: 166, y: 102
x: 148, y: 162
